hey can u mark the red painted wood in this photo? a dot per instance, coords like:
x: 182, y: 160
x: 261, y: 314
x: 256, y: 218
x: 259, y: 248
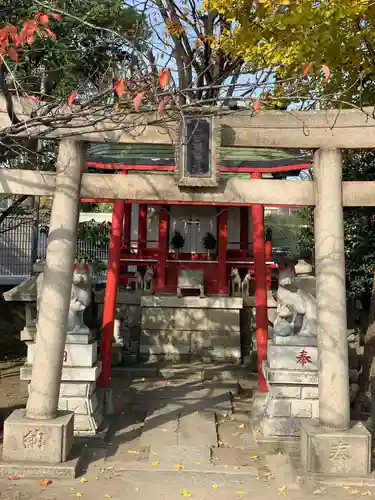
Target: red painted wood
x: 260, y: 288
x: 142, y: 228
x: 171, y: 168
x: 161, y: 268
x: 222, y: 224
x: 111, y: 288
x: 244, y: 229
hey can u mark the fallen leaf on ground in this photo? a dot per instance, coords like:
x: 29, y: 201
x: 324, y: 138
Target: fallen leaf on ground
x: 45, y: 482
x: 354, y: 492
x: 236, y: 467
x: 107, y: 495
x: 241, y: 426
x: 196, y: 412
x: 83, y: 480
x: 185, y: 493
x: 164, y: 430
x: 13, y: 478
x: 319, y: 491
x: 254, y: 457
x: 143, y: 379
x: 216, y: 486
x: 78, y: 494
x: 198, y: 462
x: 178, y: 466
x: 240, y: 492
x: 156, y: 463
x: 366, y: 493
x: 133, y: 452
x: 282, y: 491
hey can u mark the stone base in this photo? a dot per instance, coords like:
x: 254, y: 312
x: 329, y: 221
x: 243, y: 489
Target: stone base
x: 337, y: 453
x: 67, y: 470
x: 48, y: 441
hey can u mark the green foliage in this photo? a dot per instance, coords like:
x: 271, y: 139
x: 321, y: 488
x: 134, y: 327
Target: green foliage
x: 209, y: 241
x: 81, y: 57
x: 177, y: 241
x: 359, y: 227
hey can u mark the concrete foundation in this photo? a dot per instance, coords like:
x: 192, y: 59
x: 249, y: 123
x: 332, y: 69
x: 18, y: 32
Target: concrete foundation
x: 78, y: 391
x: 190, y: 328
x: 38, y: 440
x: 292, y: 377
x: 337, y: 453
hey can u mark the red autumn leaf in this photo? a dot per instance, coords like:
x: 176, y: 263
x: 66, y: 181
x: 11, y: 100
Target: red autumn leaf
x: 161, y: 105
x: 13, y: 478
x: 12, y: 53
x: 72, y: 98
x: 256, y: 105
x: 45, y: 482
x: 120, y: 87
x: 327, y: 72
x: 54, y: 15
x: 16, y: 40
x: 27, y: 32
x: 50, y: 33
x: 43, y: 18
x: 307, y: 68
x: 137, y: 101
x: 164, y: 77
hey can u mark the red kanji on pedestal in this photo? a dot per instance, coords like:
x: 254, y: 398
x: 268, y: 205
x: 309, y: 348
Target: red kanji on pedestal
x: 303, y: 358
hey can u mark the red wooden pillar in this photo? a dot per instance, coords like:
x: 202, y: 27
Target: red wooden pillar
x: 142, y: 228
x: 222, y: 278
x: 111, y: 291
x: 127, y: 225
x: 161, y: 271
x: 244, y: 230
x: 260, y: 287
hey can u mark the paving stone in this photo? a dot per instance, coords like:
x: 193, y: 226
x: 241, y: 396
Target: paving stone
x: 280, y: 426
x: 198, y: 429
x: 236, y: 457
x: 161, y: 427
x: 188, y: 456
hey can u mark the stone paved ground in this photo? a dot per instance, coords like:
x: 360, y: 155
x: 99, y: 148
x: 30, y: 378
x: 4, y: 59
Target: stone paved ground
x: 174, y: 438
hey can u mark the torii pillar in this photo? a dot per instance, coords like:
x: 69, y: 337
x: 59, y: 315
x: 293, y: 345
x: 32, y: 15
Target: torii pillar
x: 41, y: 433
x: 332, y: 444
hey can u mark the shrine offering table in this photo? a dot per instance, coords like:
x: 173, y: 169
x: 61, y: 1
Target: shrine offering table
x: 190, y: 328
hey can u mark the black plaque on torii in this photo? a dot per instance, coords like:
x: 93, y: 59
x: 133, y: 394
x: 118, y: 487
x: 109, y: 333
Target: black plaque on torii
x: 198, y: 151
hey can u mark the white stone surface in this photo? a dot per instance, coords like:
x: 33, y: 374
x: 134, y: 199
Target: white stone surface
x: 69, y: 373
x: 191, y: 302
x: 295, y: 340
x: 310, y: 392
x: 278, y: 407
x: 293, y: 377
x: 82, y: 406
x: 302, y: 358
x: 285, y: 391
x: 77, y: 389
x: 75, y: 355
x: 78, y: 338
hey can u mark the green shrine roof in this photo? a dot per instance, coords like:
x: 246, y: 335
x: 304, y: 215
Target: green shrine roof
x: 154, y: 154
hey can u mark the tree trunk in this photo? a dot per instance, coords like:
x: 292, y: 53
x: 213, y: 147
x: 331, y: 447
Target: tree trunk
x: 367, y: 381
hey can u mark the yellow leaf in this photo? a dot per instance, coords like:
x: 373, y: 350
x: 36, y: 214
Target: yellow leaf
x: 156, y: 463
x: 282, y: 491
x: 216, y: 486
x: 83, y: 480
x: 198, y: 462
x: 241, y: 426
x: 78, y: 494
x: 178, y: 466
x: 254, y: 457
x: 133, y: 452
x: 240, y: 492
x: 354, y: 492
x: 107, y: 495
x: 196, y: 412
x: 185, y: 493
x: 143, y: 379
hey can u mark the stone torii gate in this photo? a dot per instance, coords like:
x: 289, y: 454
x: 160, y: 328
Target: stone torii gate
x: 326, y: 132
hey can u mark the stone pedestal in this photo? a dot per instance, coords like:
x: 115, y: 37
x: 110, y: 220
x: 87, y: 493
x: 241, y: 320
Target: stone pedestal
x: 48, y: 441
x: 191, y: 328
x: 337, y: 453
x: 78, y: 383
x: 292, y: 377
